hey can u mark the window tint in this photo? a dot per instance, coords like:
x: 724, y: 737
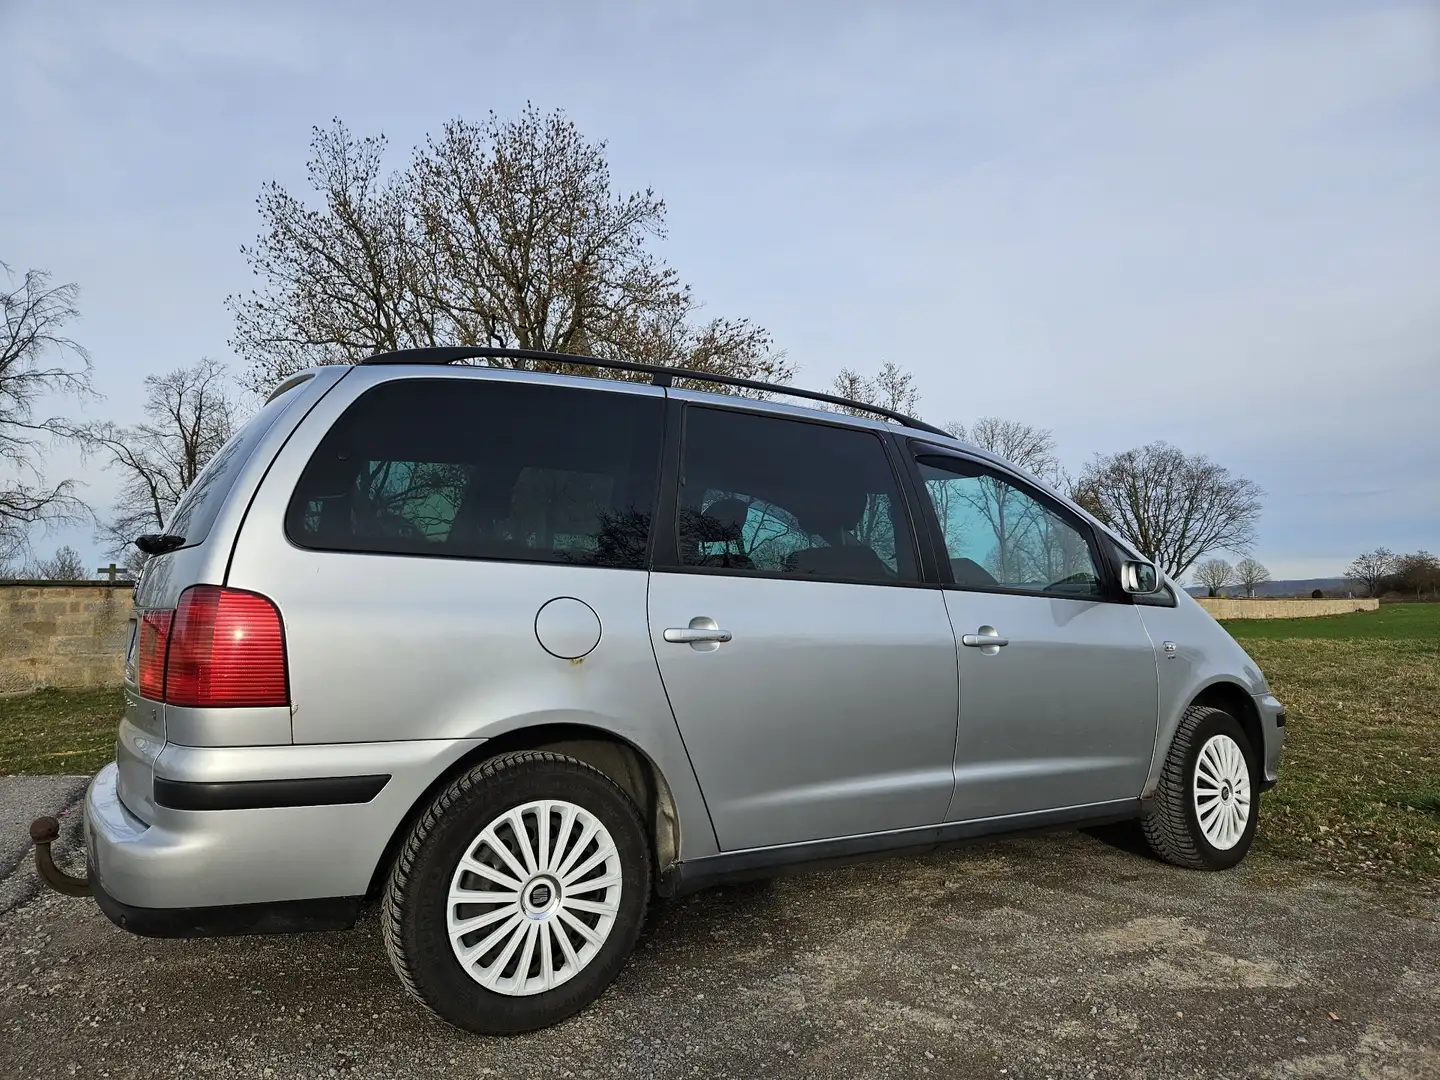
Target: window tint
x: 997, y: 536
x: 788, y: 497
x: 485, y: 470
x: 200, y: 505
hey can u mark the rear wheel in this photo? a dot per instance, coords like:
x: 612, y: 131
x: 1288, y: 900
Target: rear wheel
x: 519, y: 894
x: 1206, y: 806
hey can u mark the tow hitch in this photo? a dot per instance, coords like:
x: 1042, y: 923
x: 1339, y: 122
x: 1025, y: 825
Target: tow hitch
x: 44, y: 831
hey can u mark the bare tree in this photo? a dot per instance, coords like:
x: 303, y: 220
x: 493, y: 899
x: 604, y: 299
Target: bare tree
x: 1373, y: 570
x: 1031, y: 448
x: 1419, y: 572
x: 1214, y: 575
x: 1249, y: 574
x: 507, y: 233
x: 1173, y: 506
x: 37, y: 358
x: 190, y: 414
x: 65, y: 565
x: 891, y: 388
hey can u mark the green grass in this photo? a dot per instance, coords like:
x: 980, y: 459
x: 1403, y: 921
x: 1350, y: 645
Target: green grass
x: 59, y: 731
x: 1393, y: 622
x: 1359, y: 793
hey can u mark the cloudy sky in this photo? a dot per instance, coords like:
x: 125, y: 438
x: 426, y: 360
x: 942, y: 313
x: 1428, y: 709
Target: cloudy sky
x: 1213, y: 224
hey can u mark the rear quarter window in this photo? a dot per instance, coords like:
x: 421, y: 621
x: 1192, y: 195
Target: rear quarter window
x: 476, y: 469
x: 200, y: 505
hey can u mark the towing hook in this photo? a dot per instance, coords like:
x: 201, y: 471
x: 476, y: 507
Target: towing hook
x: 44, y: 831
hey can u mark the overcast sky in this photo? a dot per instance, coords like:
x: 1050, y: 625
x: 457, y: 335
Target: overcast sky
x: 1213, y: 224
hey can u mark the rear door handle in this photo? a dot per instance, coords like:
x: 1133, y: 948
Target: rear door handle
x: 987, y: 639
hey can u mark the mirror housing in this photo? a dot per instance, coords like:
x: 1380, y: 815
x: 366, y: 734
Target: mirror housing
x: 1140, y: 578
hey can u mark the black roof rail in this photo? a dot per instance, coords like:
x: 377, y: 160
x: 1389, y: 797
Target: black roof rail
x: 659, y: 375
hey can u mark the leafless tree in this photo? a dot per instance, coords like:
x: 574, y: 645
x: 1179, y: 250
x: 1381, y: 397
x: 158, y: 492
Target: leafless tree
x: 65, y: 565
x: 1031, y: 448
x: 507, y: 233
x: 190, y: 414
x: 1373, y: 570
x: 1249, y: 574
x: 891, y: 388
x: 1175, y: 507
x: 37, y: 359
x: 1214, y: 575
x: 1419, y: 572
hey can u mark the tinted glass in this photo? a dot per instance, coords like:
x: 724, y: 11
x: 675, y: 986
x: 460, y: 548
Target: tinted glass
x: 779, y: 496
x: 485, y: 470
x: 200, y: 505
x: 998, y: 536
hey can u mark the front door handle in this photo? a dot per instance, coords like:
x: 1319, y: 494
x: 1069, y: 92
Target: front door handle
x: 987, y: 639
x: 702, y: 634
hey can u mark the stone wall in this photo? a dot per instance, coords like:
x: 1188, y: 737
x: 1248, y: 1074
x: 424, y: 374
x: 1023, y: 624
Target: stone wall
x: 1223, y: 608
x: 63, y: 633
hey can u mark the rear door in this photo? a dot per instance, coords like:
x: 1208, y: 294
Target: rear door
x: 812, y: 677
x: 1058, y: 686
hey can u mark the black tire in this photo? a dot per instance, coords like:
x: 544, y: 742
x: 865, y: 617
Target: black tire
x: 1171, y: 827
x: 414, y: 910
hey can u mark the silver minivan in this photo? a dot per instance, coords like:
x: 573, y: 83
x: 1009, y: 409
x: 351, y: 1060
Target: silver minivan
x: 514, y: 653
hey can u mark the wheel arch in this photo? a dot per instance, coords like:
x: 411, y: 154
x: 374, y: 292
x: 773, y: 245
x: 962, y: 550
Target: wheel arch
x: 615, y: 756
x: 1234, y: 699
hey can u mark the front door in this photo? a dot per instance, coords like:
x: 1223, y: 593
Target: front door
x: 1058, y: 689
x: 813, y: 680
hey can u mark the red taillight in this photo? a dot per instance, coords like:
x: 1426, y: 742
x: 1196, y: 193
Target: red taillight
x: 226, y: 649
x: 150, y: 667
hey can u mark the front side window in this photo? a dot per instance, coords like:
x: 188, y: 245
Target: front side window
x: 998, y: 536
x: 779, y: 496
x: 485, y: 470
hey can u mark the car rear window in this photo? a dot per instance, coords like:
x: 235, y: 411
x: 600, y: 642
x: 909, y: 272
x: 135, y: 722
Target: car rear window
x: 485, y: 470
x: 200, y: 505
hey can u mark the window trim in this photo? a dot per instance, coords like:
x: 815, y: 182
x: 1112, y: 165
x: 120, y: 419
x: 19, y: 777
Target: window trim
x: 666, y: 547
x: 1110, y: 585
x: 291, y: 500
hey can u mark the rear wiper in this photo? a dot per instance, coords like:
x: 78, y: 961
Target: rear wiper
x: 159, y: 543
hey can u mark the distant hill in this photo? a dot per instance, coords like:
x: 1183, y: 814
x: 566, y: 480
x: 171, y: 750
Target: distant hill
x: 1330, y: 586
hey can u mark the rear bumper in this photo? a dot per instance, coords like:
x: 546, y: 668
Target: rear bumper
x: 245, y: 830
x: 283, y: 917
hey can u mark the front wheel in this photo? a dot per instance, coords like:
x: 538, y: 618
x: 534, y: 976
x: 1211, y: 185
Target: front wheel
x: 519, y: 894
x: 1206, y: 806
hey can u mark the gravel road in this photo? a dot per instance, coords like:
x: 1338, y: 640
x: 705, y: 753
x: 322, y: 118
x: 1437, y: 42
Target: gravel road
x: 1053, y: 957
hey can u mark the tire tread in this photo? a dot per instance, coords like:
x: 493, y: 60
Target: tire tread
x: 491, y: 770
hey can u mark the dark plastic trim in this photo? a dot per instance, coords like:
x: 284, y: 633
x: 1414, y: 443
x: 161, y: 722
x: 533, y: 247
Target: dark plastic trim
x: 1280, y: 719
x: 687, y: 877
x: 284, y: 917
x: 660, y: 376
x: 262, y: 794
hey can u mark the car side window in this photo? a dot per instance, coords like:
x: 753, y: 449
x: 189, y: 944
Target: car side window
x: 777, y: 496
x: 999, y: 536
x: 485, y: 470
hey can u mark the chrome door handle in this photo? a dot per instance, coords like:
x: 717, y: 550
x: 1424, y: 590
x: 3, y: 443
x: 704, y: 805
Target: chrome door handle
x: 987, y: 639
x: 702, y: 634
x: 690, y: 635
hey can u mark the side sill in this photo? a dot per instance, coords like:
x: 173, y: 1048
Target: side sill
x: 263, y: 794
x: 687, y: 877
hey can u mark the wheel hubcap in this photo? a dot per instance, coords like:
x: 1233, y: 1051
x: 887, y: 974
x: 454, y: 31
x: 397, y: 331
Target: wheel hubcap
x: 534, y: 897
x: 1222, y: 791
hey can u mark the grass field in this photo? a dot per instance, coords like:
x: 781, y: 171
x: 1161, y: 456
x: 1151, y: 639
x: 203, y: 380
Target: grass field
x: 1359, y: 792
x: 1393, y: 622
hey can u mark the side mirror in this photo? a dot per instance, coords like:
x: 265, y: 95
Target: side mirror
x: 1139, y: 577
